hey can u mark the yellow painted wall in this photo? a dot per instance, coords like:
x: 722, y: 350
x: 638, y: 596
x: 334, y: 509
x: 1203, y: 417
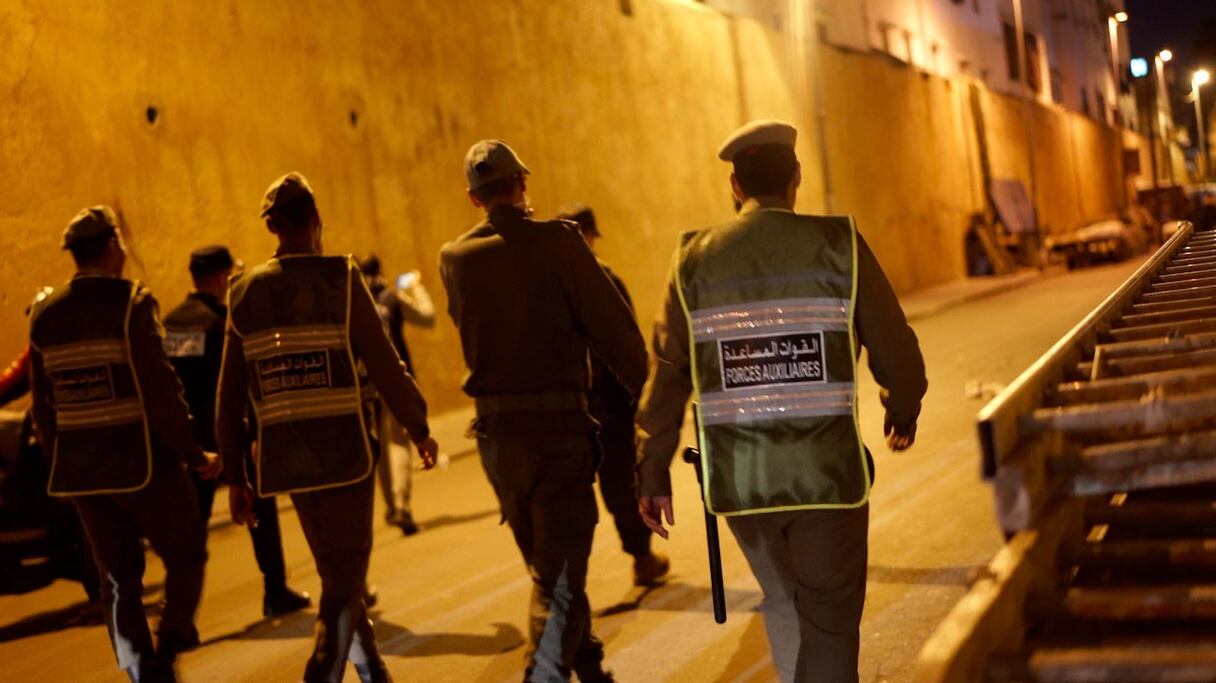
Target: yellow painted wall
x: 622, y: 111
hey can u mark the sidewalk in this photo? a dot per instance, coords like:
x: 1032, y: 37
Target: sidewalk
x: 931, y: 301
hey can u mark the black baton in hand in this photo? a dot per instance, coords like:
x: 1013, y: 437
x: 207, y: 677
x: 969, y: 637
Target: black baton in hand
x: 716, y: 587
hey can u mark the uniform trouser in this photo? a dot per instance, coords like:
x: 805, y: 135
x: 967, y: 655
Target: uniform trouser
x: 396, y: 466
x: 166, y: 513
x: 544, y: 487
x: 338, y: 525
x: 616, y: 486
x: 811, y: 565
x: 266, y: 536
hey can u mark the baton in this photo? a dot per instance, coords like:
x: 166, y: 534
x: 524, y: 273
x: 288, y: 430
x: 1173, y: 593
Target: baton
x: 716, y: 587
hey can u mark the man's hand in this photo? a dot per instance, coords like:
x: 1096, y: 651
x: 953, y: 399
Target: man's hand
x: 211, y: 469
x: 651, y: 507
x: 428, y: 450
x: 240, y: 505
x: 899, y: 437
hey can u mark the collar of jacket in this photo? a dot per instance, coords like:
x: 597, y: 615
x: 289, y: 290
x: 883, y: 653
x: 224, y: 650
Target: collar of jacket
x: 769, y: 202
x: 505, y: 214
x: 93, y: 272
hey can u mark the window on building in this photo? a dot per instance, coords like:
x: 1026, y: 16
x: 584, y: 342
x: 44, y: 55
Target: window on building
x: 975, y: 5
x: 1033, y: 79
x: 1011, y: 52
x: 1084, y: 101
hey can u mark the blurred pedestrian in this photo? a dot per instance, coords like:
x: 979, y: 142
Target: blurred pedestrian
x: 109, y: 410
x: 529, y: 300
x: 614, y: 408
x: 406, y: 301
x: 194, y: 342
x: 300, y: 326
x: 775, y: 303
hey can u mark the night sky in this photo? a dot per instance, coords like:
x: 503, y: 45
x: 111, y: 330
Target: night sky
x: 1173, y: 24
x: 1188, y: 28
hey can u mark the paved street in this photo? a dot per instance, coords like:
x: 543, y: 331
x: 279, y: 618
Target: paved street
x: 452, y: 599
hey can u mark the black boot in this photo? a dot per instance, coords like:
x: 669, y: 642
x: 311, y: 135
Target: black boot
x: 373, y: 672
x: 284, y: 600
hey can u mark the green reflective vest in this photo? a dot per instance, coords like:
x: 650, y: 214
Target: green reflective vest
x: 292, y: 314
x: 102, y: 444
x: 770, y: 299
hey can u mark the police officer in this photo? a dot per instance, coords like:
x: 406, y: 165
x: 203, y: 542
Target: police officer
x: 109, y: 411
x: 407, y: 302
x: 613, y: 407
x: 776, y: 303
x: 300, y: 328
x: 194, y: 342
x: 529, y: 301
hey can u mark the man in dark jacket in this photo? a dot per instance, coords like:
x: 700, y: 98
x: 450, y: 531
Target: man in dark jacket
x: 194, y: 342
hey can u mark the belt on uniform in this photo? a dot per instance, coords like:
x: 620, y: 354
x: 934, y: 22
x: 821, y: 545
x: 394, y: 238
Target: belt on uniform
x: 514, y: 403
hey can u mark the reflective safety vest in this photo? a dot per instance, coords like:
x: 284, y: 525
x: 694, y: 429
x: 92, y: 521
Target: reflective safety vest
x: 102, y: 444
x: 292, y: 314
x: 770, y: 300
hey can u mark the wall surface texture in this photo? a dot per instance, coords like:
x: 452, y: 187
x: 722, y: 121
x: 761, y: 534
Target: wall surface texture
x: 376, y: 102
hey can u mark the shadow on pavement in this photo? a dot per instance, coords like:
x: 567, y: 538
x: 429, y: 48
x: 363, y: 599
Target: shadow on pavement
x: 450, y: 520
x: 924, y: 576
x: 398, y: 641
x: 72, y: 616
x: 675, y: 597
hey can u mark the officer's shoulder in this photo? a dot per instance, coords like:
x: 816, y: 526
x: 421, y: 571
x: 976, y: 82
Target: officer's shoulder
x: 556, y: 228
x: 831, y: 222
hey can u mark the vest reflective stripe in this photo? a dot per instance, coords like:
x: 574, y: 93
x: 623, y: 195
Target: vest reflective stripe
x: 84, y: 353
x: 303, y: 376
x: 770, y: 302
x: 102, y: 442
x: 784, y: 314
x: 116, y: 412
x: 771, y: 403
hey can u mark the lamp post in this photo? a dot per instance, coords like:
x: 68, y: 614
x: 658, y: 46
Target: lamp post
x: 1161, y: 94
x: 1199, y: 79
x: 1112, y: 23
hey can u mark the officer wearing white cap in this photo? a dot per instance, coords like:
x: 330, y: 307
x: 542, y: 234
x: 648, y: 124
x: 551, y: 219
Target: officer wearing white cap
x: 300, y: 328
x: 529, y: 301
x: 194, y: 341
x: 110, y: 413
x: 775, y: 303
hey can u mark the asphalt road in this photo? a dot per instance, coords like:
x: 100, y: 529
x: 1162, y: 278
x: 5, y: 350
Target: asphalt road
x: 453, y: 598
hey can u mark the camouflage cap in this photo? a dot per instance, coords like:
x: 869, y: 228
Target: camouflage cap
x: 90, y: 222
x: 284, y: 191
x: 755, y: 135
x: 491, y: 160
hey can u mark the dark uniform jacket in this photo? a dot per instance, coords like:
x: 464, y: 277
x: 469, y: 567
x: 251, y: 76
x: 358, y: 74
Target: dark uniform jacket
x: 610, y: 401
x: 194, y: 341
x: 530, y: 300
x: 166, y: 410
x: 893, y: 353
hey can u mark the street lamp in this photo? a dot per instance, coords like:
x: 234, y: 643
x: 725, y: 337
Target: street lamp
x: 1200, y: 78
x: 1160, y: 95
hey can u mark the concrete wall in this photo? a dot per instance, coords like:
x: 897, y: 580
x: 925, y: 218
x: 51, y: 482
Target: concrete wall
x: 618, y: 104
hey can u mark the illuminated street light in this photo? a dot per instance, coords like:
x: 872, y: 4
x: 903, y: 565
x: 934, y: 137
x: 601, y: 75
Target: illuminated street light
x: 1121, y: 17
x: 1165, y: 55
x: 1139, y: 67
x: 1199, y: 79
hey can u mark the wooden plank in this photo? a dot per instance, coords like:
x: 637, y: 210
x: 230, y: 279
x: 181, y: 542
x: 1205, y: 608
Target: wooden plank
x: 1162, y: 555
x: 1159, y: 330
x: 1157, y: 476
x: 1140, y: 452
x: 1135, y: 387
x: 990, y: 617
x: 1147, y: 416
x: 1142, y: 603
x: 1181, y: 517
x: 1178, y: 664
x: 1021, y: 487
